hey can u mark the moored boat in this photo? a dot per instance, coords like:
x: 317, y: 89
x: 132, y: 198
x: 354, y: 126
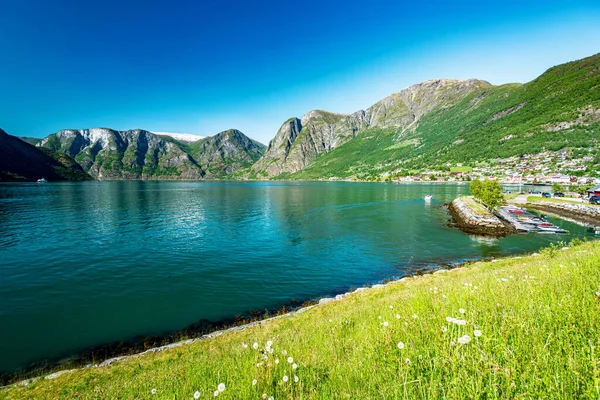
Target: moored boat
x: 43, y: 180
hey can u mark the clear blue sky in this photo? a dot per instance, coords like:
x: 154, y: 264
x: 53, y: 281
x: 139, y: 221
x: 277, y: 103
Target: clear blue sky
x: 205, y: 66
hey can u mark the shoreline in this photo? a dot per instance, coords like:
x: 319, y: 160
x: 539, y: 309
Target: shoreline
x: 83, y: 360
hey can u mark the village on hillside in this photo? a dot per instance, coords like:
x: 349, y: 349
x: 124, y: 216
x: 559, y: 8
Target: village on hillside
x: 564, y: 168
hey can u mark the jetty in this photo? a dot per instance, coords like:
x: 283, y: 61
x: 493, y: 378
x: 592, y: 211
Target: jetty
x: 524, y: 221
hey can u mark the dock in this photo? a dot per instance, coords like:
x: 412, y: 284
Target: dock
x: 524, y: 221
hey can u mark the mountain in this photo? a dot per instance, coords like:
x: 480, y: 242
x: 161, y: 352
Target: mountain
x: 138, y: 154
x: 21, y: 161
x: 225, y: 153
x: 443, y: 121
x: 299, y: 142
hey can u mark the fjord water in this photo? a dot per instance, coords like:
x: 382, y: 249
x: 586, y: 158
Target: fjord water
x: 84, y: 264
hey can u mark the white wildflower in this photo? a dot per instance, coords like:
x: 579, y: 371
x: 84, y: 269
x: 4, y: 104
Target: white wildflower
x: 197, y: 395
x: 477, y: 332
x: 296, y: 379
x: 277, y: 361
x: 153, y: 391
x: 284, y: 353
x: 444, y: 329
x: 216, y: 393
x: 244, y: 345
x: 385, y: 323
x: 254, y: 382
x: 285, y: 378
x: 294, y: 366
x: 461, y: 310
x: 255, y: 346
x: 269, y: 343
x: 400, y: 345
x: 449, y: 319
x: 264, y: 396
x: 290, y: 360
x: 221, y: 387
x: 397, y: 316
x: 391, y: 307
x: 414, y: 316
x: 464, y: 339
x: 407, y: 361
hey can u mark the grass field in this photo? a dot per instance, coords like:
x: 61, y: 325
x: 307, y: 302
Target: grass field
x: 515, y: 328
x: 538, y: 199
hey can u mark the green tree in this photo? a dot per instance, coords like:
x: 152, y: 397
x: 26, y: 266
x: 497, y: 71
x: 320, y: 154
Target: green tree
x: 557, y: 187
x: 488, y: 192
x: 475, y: 187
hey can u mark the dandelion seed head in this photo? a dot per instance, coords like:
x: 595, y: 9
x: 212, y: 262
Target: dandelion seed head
x: 407, y: 361
x: 153, y: 391
x: 269, y: 343
x: 277, y: 361
x: 285, y: 378
x: 379, y: 317
x: 290, y: 360
x: 464, y: 339
x: 397, y: 316
x: 284, y: 353
x: 294, y: 366
x: 221, y: 387
x: 197, y: 395
x: 477, y: 333
x: 400, y: 345
x: 444, y: 329
x: 385, y: 323
x: 296, y: 379
x: 461, y: 310
x: 391, y: 307
x: 216, y: 393
x: 254, y: 382
x: 244, y: 345
x: 414, y: 316
x: 255, y: 346
x: 264, y: 396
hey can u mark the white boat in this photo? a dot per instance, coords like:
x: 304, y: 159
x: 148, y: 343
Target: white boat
x: 43, y: 180
x: 428, y: 197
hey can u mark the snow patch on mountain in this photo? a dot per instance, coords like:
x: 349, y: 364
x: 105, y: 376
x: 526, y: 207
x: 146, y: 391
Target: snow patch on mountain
x: 182, y: 137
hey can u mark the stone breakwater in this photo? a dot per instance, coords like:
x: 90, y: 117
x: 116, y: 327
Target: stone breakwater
x: 470, y: 221
x: 584, y: 213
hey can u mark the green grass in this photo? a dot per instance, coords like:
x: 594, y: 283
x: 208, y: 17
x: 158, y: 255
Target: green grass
x: 540, y: 335
x: 461, y: 169
x: 475, y: 206
x: 538, y: 199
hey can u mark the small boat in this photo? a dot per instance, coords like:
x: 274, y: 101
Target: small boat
x: 43, y: 180
x: 428, y: 197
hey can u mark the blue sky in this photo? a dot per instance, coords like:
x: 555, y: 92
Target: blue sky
x: 203, y: 67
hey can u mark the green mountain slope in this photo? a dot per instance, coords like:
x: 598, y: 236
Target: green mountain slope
x: 20, y: 161
x: 139, y: 154
x: 558, y: 110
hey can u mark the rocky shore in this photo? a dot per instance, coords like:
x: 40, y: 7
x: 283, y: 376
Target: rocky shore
x: 470, y: 221
x: 583, y: 213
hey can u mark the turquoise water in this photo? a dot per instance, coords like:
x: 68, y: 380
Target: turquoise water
x: 83, y: 264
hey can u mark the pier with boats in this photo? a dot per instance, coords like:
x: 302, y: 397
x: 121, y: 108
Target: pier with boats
x: 525, y: 221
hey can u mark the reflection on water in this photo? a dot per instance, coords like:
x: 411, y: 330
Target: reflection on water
x: 94, y: 262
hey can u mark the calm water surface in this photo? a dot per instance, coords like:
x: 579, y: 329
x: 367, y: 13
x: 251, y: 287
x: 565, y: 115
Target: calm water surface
x: 83, y: 264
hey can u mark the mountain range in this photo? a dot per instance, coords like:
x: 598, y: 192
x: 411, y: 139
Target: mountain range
x: 421, y: 127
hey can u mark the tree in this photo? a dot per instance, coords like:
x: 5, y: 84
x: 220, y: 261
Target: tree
x: 488, y: 192
x: 557, y: 187
x: 475, y: 188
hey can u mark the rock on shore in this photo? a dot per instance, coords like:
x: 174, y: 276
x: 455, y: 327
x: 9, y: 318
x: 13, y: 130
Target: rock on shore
x: 472, y: 222
x: 585, y: 213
